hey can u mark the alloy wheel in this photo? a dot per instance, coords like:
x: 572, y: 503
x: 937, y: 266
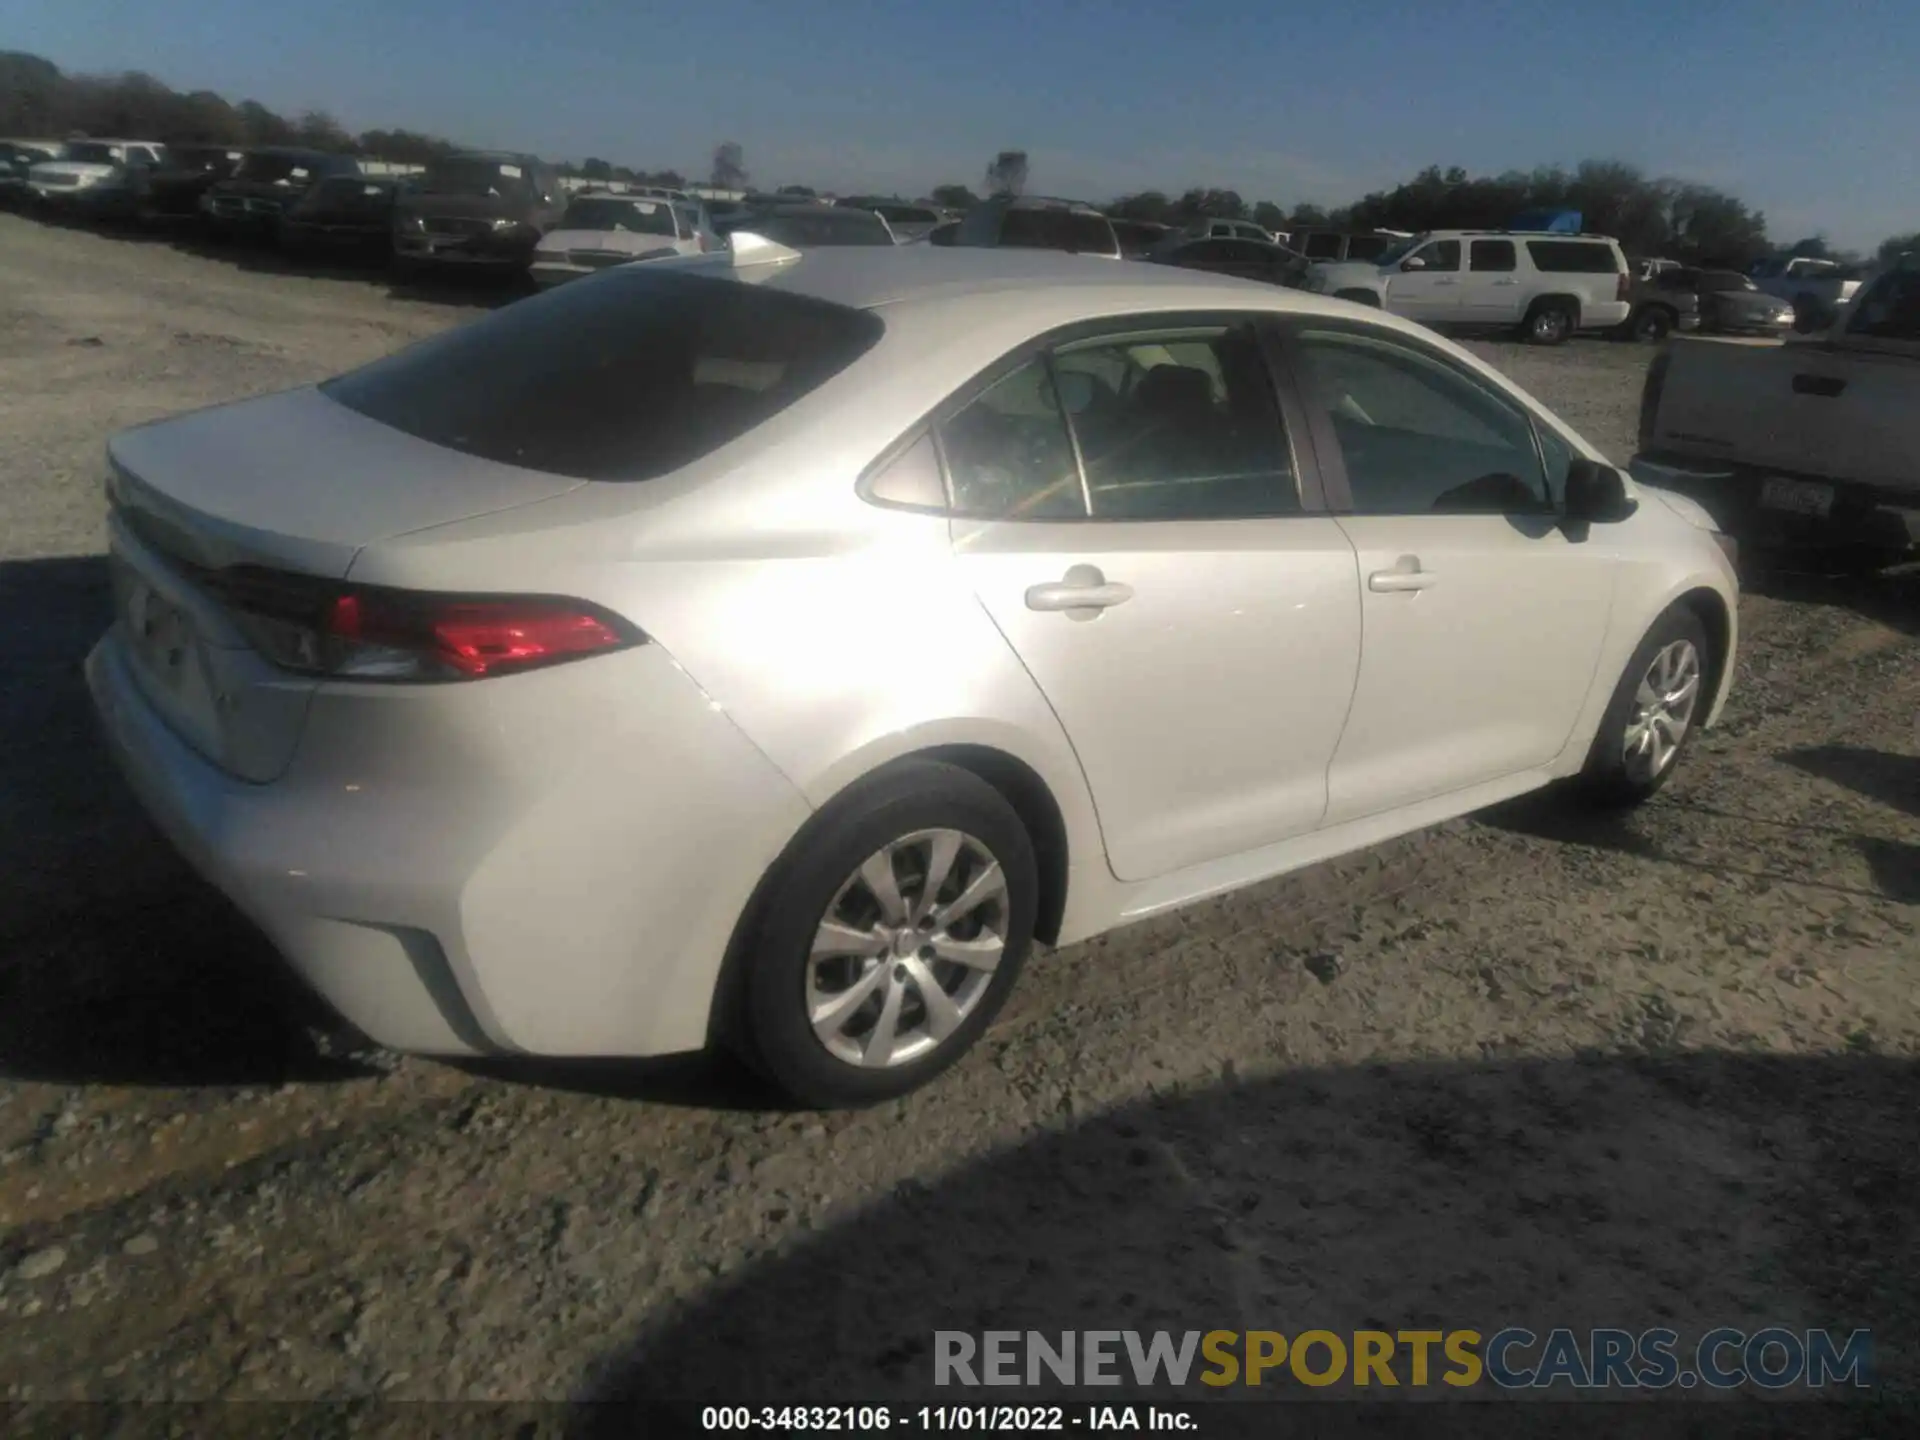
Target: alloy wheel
x: 907, y: 950
x: 1663, y: 707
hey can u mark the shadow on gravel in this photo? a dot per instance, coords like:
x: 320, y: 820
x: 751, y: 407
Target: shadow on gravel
x: 1891, y: 597
x: 1689, y: 1191
x: 711, y: 1081
x: 1893, y: 781
x: 1551, y: 815
x: 117, y: 964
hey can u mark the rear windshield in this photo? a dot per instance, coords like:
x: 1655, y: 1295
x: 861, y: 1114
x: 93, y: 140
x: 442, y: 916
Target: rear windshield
x: 619, y: 377
x: 461, y: 176
x: 1889, y: 309
x: 1366, y: 247
x: 1057, y: 230
x: 640, y: 217
x: 271, y: 168
x: 1572, y: 257
x: 823, y: 226
x: 83, y: 153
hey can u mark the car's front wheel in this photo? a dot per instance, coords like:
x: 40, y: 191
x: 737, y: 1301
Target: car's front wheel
x: 1654, y: 711
x: 890, y: 937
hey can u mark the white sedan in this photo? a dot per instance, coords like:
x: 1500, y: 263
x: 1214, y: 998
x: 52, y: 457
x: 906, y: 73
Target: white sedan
x: 769, y: 648
x: 600, y: 230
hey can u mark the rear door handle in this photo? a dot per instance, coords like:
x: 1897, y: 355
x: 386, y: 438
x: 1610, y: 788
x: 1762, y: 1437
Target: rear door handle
x: 1081, y: 594
x: 1405, y: 575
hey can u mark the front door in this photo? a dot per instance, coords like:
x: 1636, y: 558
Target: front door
x: 1429, y: 290
x: 1483, y: 617
x: 1192, y: 620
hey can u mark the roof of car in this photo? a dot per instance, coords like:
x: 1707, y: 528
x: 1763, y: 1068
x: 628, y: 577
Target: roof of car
x: 866, y: 278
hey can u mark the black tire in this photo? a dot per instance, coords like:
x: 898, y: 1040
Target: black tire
x: 1607, y: 780
x: 1652, y: 323
x: 1550, y: 322
x: 775, y: 1035
x: 1359, y: 297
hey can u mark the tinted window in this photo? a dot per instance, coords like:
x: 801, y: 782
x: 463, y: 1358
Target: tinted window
x: 821, y: 226
x: 1178, y: 426
x: 1558, y: 457
x: 86, y: 153
x: 1322, y: 246
x: 1009, y: 455
x: 1572, y: 257
x: 1416, y: 434
x: 1057, y: 230
x: 639, y: 217
x: 1367, y: 247
x: 1889, y: 309
x: 1441, y: 255
x: 270, y: 168
x: 1725, y: 280
x: 458, y: 175
x: 623, y: 376
x: 1492, y: 255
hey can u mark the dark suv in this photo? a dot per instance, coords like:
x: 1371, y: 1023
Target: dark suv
x: 264, y: 184
x: 185, y: 173
x: 479, y: 208
x: 1034, y: 224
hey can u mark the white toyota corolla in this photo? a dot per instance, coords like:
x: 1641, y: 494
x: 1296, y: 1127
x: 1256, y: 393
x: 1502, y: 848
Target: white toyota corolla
x: 770, y: 648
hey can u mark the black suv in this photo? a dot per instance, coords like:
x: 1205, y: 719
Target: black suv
x: 186, y: 172
x: 264, y: 184
x: 483, y: 209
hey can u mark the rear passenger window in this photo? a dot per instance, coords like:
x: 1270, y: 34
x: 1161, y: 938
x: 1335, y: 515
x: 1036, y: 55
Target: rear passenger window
x: 1572, y: 257
x: 1178, y: 426
x: 1009, y: 454
x: 1417, y: 435
x: 1496, y: 255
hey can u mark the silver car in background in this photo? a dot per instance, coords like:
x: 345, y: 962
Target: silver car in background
x: 603, y: 229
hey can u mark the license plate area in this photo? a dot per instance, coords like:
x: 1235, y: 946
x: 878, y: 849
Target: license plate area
x: 167, y: 658
x: 1796, y: 497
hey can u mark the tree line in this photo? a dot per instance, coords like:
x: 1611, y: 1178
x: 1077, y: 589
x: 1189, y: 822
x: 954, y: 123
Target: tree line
x: 1648, y: 215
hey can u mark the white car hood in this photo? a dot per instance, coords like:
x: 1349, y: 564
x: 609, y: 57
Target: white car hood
x: 624, y: 242
x: 78, y: 169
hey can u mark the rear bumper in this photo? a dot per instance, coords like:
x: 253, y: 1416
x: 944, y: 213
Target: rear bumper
x: 501, y: 873
x: 1860, y: 515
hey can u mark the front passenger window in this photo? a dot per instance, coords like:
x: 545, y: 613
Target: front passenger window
x: 1416, y: 434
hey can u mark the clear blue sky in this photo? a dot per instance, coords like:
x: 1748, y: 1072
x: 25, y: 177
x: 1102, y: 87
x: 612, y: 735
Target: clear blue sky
x: 1808, y: 109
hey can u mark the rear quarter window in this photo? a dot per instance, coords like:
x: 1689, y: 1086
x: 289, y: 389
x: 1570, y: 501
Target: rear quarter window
x: 1572, y: 257
x: 621, y: 377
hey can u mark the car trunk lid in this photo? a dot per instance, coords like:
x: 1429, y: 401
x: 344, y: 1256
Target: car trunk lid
x: 288, y: 482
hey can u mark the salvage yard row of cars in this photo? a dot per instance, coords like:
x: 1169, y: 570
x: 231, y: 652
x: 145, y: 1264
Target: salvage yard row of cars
x: 505, y: 681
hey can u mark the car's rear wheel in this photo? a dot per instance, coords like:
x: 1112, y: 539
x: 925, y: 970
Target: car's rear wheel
x: 1654, y: 711
x: 1653, y: 323
x: 1549, y: 322
x: 890, y: 937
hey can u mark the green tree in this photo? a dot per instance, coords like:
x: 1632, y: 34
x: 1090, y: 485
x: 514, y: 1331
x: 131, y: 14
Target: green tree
x: 1894, y: 246
x: 1814, y: 247
x: 953, y: 197
x: 1007, y: 173
x: 594, y: 168
x: 1305, y: 216
x: 1269, y: 216
x: 729, y: 170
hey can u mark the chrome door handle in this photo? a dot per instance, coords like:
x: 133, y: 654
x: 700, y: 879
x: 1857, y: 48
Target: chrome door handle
x: 1082, y: 593
x: 1405, y: 575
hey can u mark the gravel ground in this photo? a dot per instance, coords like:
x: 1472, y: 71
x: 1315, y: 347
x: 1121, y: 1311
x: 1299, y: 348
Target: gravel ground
x: 1527, y: 1068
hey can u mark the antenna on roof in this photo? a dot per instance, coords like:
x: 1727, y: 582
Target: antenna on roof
x: 750, y: 249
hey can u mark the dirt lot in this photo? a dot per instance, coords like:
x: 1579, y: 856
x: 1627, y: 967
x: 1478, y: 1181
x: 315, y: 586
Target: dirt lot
x: 1525, y: 1069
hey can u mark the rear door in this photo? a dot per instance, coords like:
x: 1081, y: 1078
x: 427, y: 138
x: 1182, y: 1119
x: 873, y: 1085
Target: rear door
x: 1491, y: 295
x: 1426, y: 287
x: 1134, y: 515
x: 1483, y: 617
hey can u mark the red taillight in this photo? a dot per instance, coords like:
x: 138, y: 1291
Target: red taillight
x: 374, y: 633
x: 1624, y: 287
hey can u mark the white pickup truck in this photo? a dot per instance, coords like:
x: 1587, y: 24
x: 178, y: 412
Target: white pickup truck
x: 1811, y: 441
x: 1815, y: 288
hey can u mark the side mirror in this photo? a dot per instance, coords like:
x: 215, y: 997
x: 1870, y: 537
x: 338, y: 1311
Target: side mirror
x: 1597, y: 494
x: 1413, y: 262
